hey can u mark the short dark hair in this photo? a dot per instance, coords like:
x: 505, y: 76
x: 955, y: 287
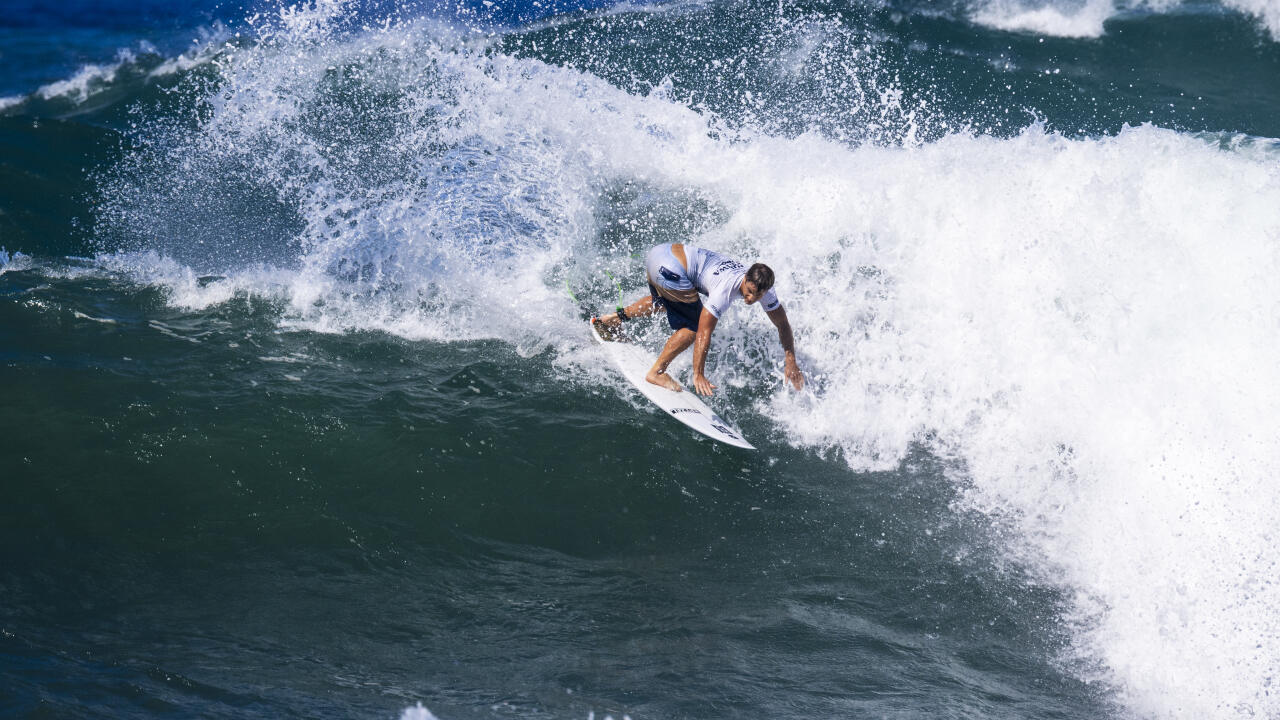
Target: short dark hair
x: 761, y: 276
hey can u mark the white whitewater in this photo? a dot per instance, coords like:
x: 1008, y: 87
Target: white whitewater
x: 1088, y: 328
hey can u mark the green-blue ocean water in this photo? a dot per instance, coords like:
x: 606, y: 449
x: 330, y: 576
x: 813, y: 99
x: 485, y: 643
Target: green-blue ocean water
x: 298, y: 419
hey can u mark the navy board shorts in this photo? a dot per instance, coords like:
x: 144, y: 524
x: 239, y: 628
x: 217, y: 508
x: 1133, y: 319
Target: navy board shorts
x: 679, y: 315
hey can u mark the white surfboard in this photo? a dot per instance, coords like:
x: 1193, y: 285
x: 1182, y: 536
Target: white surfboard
x: 684, y: 406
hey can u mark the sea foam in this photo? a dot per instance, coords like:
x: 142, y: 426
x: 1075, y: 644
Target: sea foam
x: 417, y: 712
x: 1267, y: 12
x: 1086, y: 327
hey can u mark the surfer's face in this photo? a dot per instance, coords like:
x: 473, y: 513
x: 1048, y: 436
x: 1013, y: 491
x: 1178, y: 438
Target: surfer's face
x: 750, y: 293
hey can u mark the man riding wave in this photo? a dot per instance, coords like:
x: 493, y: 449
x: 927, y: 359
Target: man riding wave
x: 677, y: 275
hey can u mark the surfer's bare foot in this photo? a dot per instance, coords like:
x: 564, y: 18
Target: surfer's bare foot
x: 607, y: 332
x: 663, y: 380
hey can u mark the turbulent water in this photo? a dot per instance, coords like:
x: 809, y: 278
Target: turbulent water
x: 300, y: 418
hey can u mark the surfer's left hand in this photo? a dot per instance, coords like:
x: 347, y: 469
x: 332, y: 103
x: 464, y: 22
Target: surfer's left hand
x: 793, y: 373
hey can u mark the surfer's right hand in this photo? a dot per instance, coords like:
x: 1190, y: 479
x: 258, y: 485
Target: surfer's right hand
x: 610, y: 320
x: 703, y: 385
x: 793, y: 373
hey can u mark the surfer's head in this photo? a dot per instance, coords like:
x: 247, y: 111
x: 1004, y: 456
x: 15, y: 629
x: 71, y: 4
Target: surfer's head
x: 758, y: 281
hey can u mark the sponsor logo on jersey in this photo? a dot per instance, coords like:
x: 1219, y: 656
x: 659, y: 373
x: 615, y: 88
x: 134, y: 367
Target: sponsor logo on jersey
x: 728, y: 265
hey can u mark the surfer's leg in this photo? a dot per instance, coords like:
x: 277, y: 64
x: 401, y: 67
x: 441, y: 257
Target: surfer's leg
x: 639, y: 308
x: 676, y: 344
x: 683, y: 318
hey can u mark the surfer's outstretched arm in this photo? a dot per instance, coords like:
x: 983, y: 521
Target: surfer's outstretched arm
x: 701, y: 345
x: 779, y: 318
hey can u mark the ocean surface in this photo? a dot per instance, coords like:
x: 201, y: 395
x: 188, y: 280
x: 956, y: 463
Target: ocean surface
x: 298, y: 417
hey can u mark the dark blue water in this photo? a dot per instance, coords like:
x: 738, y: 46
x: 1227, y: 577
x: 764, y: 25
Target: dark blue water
x: 299, y: 420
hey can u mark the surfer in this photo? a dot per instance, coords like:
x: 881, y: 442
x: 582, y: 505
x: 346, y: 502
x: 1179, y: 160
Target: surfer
x: 677, y: 273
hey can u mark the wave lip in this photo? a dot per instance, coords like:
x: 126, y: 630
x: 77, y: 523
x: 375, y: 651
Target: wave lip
x: 1086, y: 18
x: 13, y: 261
x: 1072, y: 20
x: 88, y: 80
x: 142, y: 64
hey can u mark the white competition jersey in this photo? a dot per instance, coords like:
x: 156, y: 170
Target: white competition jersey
x: 720, y: 279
